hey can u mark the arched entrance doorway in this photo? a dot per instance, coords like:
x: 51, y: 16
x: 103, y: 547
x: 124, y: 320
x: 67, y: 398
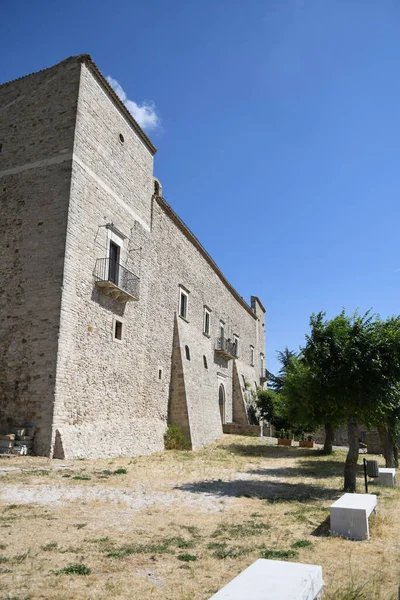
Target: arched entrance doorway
x: 221, y: 399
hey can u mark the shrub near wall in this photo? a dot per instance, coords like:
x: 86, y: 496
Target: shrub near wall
x: 174, y: 439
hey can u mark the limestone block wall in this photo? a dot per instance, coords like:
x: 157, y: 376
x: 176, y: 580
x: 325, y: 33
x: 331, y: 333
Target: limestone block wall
x: 37, y: 120
x: 74, y: 170
x: 179, y: 262
x: 102, y: 407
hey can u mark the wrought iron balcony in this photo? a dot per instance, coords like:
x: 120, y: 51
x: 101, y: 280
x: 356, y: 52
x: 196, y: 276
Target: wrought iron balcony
x: 226, y: 348
x: 116, y: 280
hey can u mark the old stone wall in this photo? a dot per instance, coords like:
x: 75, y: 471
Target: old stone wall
x: 111, y: 397
x: 180, y: 263
x: 37, y: 121
x: 101, y: 406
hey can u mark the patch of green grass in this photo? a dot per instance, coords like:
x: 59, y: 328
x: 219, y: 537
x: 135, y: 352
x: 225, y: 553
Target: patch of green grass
x: 129, y: 549
x: 11, y: 507
x: 238, y: 530
x: 17, y: 559
x: 49, y: 547
x: 108, y: 473
x: 278, y: 554
x: 3, y: 546
x: 66, y: 475
x: 102, y: 540
x: 41, y: 472
x: 178, y: 541
x: 74, y: 569
x: 120, y: 471
x: 308, y: 514
x: 80, y: 525
x: 191, y: 529
x: 302, y: 544
x: 187, y: 557
x: 222, y: 550
x: 82, y: 478
x: 72, y: 550
x: 255, y: 515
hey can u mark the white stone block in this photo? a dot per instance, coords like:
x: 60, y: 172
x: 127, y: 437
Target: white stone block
x: 386, y: 477
x: 274, y: 580
x: 349, y: 515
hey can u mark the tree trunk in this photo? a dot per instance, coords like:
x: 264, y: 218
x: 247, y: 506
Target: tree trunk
x: 387, y: 445
x: 350, y: 467
x: 329, y: 438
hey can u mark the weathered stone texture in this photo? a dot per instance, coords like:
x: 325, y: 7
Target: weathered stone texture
x: 90, y: 394
x: 37, y: 117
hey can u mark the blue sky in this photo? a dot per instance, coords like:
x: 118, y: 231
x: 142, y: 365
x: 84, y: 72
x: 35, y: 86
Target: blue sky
x: 277, y: 124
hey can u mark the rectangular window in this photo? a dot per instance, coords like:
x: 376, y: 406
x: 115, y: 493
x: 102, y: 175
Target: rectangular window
x: 206, y: 322
x: 236, y: 344
x: 252, y: 356
x: 222, y: 330
x: 113, y: 263
x: 262, y: 364
x: 183, y: 304
x: 118, y: 330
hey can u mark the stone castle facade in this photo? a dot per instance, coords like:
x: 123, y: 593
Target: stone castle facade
x: 114, y: 320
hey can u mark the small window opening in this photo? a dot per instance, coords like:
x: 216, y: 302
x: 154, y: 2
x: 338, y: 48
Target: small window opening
x: 118, y: 330
x: 187, y: 352
x: 183, y: 303
x: 206, y: 323
x: 156, y: 188
x: 205, y: 361
x: 252, y: 356
x: 1, y: 147
x: 121, y: 138
x: 236, y: 344
x: 159, y: 373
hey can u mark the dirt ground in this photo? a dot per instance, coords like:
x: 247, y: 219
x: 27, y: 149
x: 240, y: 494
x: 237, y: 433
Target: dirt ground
x: 180, y: 525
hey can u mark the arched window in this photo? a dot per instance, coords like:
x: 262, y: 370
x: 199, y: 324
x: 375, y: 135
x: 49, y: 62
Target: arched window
x: 205, y: 361
x: 221, y: 400
x: 187, y: 352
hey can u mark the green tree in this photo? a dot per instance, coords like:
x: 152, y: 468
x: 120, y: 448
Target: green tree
x: 354, y: 362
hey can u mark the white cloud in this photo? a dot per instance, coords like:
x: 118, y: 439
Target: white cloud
x: 145, y: 114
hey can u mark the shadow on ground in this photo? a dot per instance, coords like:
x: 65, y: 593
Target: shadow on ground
x: 307, y: 468
x: 323, y: 530
x: 264, y: 490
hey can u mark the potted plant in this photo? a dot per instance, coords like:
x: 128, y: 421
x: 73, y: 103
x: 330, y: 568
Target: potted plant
x: 307, y: 443
x: 284, y: 438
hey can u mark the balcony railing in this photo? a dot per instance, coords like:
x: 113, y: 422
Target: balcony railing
x: 226, y: 348
x: 116, y: 280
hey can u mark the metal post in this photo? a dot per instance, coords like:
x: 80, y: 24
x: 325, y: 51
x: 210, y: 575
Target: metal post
x: 365, y: 476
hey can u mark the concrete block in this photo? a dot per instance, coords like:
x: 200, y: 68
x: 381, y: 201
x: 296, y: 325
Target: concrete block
x: 387, y: 477
x: 349, y: 515
x: 274, y: 580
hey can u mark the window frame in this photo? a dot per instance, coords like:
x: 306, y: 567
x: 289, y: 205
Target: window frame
x: 183, y: 294
x: 117, y: 322
x: 236, y: 342
x: 207, y: 313
x: 251, y: 355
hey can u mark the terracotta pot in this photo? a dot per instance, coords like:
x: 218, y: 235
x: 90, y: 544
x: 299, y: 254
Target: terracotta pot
x: 306, y: 444
x: 284, y: 442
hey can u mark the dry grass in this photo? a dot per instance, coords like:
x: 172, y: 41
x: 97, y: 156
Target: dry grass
x: 179, y: 525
